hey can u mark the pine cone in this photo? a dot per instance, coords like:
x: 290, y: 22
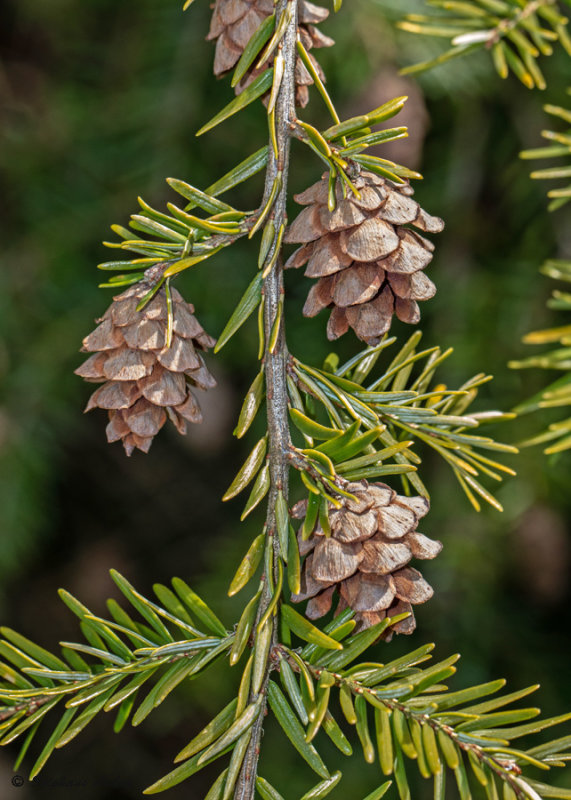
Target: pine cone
x: 368, y: 264
x: 235, y: 21
x: 366, y: 558
x: 143, y: 382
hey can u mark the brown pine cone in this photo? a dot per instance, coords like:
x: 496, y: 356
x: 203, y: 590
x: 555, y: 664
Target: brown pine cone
x: 366, y: 558
x: 143, y: 381
x: 369, y: 265
x: 235, y: 21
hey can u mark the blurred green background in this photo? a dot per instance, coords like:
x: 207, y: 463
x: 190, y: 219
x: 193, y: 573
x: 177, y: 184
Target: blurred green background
x: 99, y: 103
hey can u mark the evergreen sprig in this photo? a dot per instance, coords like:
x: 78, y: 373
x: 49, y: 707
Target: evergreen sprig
x: 403, y: 406
x: 515, y: 32
x: 107, y: 670
x: 342, y: 146
x: 348, y: 426
x: 560, y: 148
x: 557, y: 437
x: 184, y: 239
x: 557, y: 394
x: 416, y: 717
x: 371, y: 430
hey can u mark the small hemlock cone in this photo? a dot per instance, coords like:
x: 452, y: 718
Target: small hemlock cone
x: 235, y: 21
x: 368, y: 264
x: 366, y: 558
x: 143, y: 381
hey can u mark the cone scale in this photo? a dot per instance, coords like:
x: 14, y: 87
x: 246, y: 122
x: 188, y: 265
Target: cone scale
x: 144, y: 381
x: 367, y: 261
x: 365, y: 561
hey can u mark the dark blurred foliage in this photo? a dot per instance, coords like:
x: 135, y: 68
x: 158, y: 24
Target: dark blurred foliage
x: 100, y: 102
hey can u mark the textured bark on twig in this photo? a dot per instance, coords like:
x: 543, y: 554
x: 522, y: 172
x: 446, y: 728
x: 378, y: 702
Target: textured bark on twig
x: 275, y: 363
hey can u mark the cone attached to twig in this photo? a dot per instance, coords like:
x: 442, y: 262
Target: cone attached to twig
x: 233, y: 24
x: 145, y: 380
x: 368, y: 261
x: 366, y: 557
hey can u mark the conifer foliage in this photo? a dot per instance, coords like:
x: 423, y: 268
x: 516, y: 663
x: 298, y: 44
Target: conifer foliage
x: 352, y: 435
x: 516, y: 33
x: 557, y: 394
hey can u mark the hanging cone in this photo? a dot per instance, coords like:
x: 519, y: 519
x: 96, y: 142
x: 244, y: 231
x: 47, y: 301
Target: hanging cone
x: 366, y: 558
x: 233, y: 24
x: 143, y: 380
x: 368, y: 264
